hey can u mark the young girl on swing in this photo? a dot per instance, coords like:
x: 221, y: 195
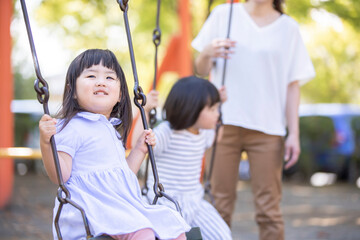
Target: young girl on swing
x: 191, y: 112
x: 90, y: 136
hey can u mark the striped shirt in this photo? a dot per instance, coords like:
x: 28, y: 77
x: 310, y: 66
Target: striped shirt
x: 179, y: 155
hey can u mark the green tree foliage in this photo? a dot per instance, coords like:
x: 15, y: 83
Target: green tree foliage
x: 334, y: 48
x: 336, y: 57
x: 99, y: 23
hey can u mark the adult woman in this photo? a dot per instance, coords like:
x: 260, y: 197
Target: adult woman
x: 266, y: 62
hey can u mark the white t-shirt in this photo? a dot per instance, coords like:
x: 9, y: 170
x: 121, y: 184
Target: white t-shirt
x: 265, y: 61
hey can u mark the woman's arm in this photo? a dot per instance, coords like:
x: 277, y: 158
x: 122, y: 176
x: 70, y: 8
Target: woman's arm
x: 292, y: 143
x: 47, y: 127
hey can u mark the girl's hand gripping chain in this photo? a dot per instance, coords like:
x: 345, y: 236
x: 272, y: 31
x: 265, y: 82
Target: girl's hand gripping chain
x: 148, y: 137
x: 223, y: 94
x: 47, y: 127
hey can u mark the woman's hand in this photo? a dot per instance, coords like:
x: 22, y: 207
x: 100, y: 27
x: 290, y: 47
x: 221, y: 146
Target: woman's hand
x: 220, y: 48
x: 152, y: 100
x: 292, y: 150
x: 47, y: 127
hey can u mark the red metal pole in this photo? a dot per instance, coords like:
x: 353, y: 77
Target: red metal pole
x: 6, y: 95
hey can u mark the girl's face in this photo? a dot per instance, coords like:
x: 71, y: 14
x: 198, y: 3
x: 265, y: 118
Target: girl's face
x: 207, y: 119
x: 98, y: 90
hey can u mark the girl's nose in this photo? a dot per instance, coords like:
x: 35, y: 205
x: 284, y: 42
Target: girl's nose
x: 100, y: 82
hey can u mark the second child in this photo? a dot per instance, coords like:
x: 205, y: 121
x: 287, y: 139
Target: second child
x: 191, y: 112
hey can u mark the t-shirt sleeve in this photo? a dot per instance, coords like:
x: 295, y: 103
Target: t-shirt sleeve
x: 209, y: 137
x: 162, y: 135
x: 208, y: 32
x: 301, y: 67
x: 67, y: 139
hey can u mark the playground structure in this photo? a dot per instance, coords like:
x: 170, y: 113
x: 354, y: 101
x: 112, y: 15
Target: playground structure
x: 179, y: 46
x: 6, y: 95
x: 41, y: 88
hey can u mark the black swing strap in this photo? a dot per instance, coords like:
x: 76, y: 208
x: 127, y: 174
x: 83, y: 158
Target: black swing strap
x: 152, y: 114
x: 42, y: 90
x: 140, y: 101
x: 207, y: 185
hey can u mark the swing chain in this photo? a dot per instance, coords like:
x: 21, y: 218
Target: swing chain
x: 157, y: 31
x: 213, y: 153
x: 60, y: 197
x: 156, y: 41
x: 152, y: 117
x: 123, y: 4
x: 139, y: 96
x: 157, y: 36
x: 42, y: 91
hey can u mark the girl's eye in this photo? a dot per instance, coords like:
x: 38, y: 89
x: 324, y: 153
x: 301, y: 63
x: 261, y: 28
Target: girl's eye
x: 91, y: 76
x: 110, y: 78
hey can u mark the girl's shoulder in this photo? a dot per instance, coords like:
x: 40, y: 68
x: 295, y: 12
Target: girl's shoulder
x: 209, y: 136
x: 207, y: 133
x: 76, y: 123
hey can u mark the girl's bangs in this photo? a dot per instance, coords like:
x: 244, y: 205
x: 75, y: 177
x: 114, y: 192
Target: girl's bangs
x: 98, y: 56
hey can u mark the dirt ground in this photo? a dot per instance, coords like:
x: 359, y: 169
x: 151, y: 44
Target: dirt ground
x: 331, y: 212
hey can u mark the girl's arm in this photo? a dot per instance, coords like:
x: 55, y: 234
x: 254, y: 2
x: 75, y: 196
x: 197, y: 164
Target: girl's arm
x: 151, y: 102
x: 47, y: 127
x: 218, y: 48
x: 292, y: 143
x: 140, y: 136
x: 139, y: 150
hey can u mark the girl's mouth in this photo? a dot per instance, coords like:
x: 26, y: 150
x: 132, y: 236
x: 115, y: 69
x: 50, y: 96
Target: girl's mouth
x: 100, y: 93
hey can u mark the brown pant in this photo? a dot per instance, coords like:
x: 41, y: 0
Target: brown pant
x: 265, y: 154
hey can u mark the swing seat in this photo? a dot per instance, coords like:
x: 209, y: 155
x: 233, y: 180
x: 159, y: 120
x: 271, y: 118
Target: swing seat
x: 104, y: 237
x: 194, y: 234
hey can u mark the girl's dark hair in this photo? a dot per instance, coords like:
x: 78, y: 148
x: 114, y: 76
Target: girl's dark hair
x: 277, y: 4
x: 186, y: 99
x: 70, y: 106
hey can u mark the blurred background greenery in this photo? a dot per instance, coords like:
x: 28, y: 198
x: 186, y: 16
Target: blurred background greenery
x: 330, y: 30
x: 63, y: 29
